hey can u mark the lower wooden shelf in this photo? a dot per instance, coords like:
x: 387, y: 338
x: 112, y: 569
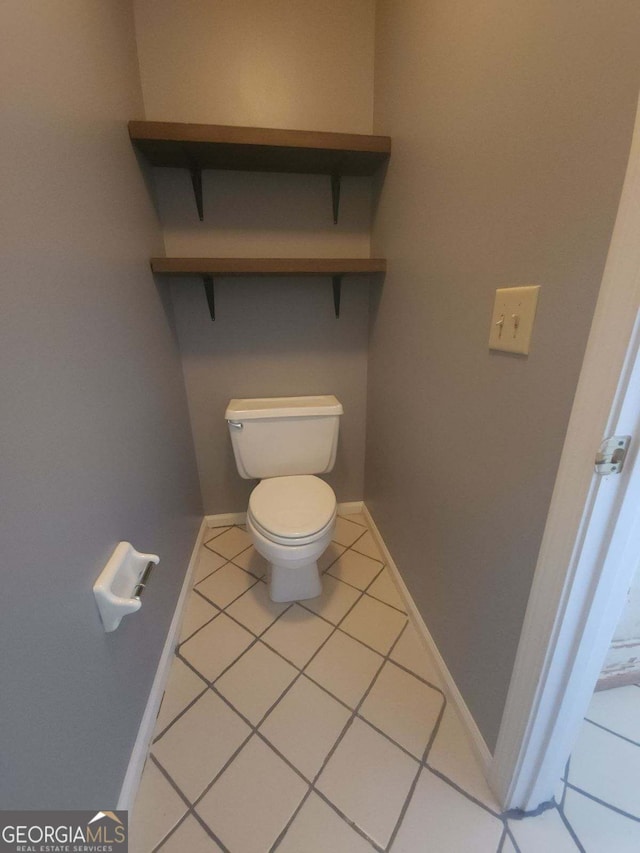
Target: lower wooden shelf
x: 208, y: 268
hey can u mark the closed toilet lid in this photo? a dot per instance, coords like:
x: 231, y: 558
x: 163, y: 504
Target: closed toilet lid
x: 292, y: 507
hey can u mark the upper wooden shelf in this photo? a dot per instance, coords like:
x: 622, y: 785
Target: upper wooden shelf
x: 268, y: 266
x: 258, y: 149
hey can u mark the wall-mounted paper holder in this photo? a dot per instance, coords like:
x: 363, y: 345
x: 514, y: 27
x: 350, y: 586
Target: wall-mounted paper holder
x: 121, y: 583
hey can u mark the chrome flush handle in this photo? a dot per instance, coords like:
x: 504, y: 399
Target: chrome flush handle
x: 235, y: 424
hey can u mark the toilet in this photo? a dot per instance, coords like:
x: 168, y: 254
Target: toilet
x: 284, y: 442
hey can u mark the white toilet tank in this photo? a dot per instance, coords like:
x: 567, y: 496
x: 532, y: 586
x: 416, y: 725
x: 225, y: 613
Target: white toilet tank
x: 283, y: 436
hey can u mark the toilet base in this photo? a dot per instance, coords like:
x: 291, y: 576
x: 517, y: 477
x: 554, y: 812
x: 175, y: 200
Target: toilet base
x: 294, y: 584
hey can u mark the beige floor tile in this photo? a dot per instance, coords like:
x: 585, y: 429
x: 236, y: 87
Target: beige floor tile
x: 355, y: 569
x: 304, y: 725
x: 256, y: 681
x: 403, y: 708
x: 197, y: 613
x: 297, y: 634
x: 250, y: 804
x: 182, y: 688
x: 368, y: 779
x: 330, y: 556
x: 158, y: 808
x: 317, y: 828
x: 356, y: 517
x: 208, y: 562
x: 227, y: 583
x: 190, y: 837
x: 367, y: 545
x: 607, y: 767
x: 450, y: 822
x: 215, y: 646
x: 453, y: 756
x: 345, y: 667
x: 336, y: 599
x: 600, y: 829
x: 230, y: 543
x: 197, y: 745
x: 376, y: 624
x: 347, y: 532
x: 251, y: 561
x: 410, y: 652
x: 255, y: 609
x: 212, y: 532
x: 544, y: 832
x: 384, y: 589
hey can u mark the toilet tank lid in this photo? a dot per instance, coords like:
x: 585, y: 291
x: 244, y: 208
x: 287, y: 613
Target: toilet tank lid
x: 283, y: 407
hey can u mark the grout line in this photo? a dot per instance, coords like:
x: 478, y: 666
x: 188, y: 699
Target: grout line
x: 571, y: 830
x: 351, y: 521
x: 222, y: 530
x: 435, y: 731
x: 455, y: 786
x: 503, y: 838
x: 565, y: 778
x: 229, y: 603
x: 348, y: 821
x: 511, y: 837
x: 603, y: 803
x: 180, y: 713
x: 415, y: 674
x: 190, y: 809
x: 414, y: 784
x: 172, y: 831
x: 204, y: 624
x: 611, y: 732
x: 287, y: 825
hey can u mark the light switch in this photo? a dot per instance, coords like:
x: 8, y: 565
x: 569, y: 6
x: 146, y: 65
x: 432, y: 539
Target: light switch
x: 512, y: 320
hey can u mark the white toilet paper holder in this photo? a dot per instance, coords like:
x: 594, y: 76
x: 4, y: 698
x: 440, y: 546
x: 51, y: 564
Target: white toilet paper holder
x: 121, y: 583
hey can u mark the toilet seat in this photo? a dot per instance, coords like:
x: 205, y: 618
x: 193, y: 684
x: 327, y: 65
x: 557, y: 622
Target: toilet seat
x: 292, y: 510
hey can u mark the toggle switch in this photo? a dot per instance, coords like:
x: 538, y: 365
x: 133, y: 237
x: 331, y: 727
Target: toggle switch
x: 514, y: 311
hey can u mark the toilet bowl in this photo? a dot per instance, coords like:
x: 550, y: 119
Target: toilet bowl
x: 291, y: 522
x: 284, y: 442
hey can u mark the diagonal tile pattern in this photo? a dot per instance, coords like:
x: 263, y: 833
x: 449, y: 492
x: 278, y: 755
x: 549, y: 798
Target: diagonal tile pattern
x: 323, y: 726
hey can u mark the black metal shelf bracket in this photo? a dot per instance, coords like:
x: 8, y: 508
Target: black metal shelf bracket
x: 196, y: 180
x: 337, y: 292
x: 335, y: 196
x: 207, y: 280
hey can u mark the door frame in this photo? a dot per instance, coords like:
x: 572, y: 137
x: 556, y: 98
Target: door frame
x: 581, y: 575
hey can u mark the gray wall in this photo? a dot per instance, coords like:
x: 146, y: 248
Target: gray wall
x: 95, y: 441
x: 271, y: 337
x: 511, y: 125
x: 210, y: 61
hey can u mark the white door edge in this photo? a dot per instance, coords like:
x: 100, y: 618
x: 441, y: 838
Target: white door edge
x: 578, y: 587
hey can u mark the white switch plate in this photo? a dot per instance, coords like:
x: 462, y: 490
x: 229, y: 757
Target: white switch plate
x: 512, y: 320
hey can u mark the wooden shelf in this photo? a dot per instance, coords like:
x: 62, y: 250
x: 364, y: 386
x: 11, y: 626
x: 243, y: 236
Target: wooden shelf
x: 258, y: 149
x: 268, y: 266
x: 208, y: 268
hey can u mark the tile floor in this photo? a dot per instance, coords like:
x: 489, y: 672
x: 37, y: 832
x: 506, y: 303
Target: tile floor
x: 322, y: 727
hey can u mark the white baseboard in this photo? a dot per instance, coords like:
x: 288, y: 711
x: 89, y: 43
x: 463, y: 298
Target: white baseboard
x: 480, y: 748
x: 350, y: 507
x: 145, y: 732
x: 225, y: 519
